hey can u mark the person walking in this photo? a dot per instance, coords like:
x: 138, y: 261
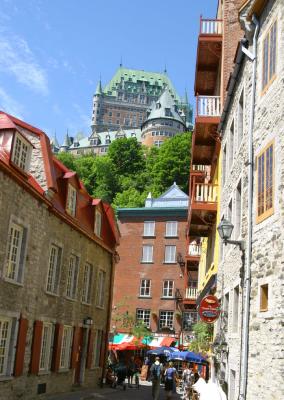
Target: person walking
x: 155, y: 375
x: 187, y: 381
x: 170, y: 376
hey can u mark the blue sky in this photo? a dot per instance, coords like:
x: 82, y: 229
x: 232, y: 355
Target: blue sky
x: 52, y: 52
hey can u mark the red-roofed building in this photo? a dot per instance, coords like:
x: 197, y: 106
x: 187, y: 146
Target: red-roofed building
x: 57, y: 248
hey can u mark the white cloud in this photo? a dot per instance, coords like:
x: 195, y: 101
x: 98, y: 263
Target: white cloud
x: 9, y: 105
x: 16, y: 58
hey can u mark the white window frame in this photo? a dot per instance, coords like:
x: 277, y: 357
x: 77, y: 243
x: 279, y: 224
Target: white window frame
x: 7, y: 338
x: 21, y: 153
x: 71, y: 200
x: 66, y: 347
x: 46, y: 346
x: 144, y: 287
x: 147, y: 256
x: 98, y: 223
x: 171, y: 229
x: 97, y: 348
x: 101, y: 289
x: 145, y: 316
x: 16, y: 257
x: 87, y: 283
x: 167, y: 320
x: 149, y: 228
x: 170, y: 254
x: 72, y: 277
x: 168, y: 287
x: 52, y: 281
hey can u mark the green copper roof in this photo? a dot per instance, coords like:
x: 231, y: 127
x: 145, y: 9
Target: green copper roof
x: 99, y: 89
x: 155, y: 82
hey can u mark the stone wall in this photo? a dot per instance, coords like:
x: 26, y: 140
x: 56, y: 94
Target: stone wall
x: 30, y: 298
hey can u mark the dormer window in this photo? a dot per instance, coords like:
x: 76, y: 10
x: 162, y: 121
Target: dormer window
x: 98, y: 223
x: 71, y: 200
x: 167, y: 112
x: 21, y: 154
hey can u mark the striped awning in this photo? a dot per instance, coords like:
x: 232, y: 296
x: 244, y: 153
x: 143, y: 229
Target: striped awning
x: 123, y: 341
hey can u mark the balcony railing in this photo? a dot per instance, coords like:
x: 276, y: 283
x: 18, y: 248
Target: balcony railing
x: 208, y: 106
x: 194, y: 249
x: 190, y: 293
x: 210, y: 26
x: 200, y: 167
x: 205, y: 193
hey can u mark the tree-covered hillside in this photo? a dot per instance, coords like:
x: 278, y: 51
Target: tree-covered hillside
x: 129, y: 171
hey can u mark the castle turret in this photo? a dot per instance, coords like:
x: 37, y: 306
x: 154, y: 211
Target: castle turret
x: 66, y: 144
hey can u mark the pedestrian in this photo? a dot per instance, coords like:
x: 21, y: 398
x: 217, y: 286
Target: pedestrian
x: 156, y: 371
x: 131, y: 370
x: 187, y: 381
x: 170, y: 377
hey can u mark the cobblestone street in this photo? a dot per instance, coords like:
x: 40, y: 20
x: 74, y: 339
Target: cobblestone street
x: 143, y: 393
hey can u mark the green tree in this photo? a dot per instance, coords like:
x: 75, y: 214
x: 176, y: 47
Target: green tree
x: 127, y: 156
x: 129, y: 198
x: 68, y: 160
x: 85, y: 166
x: 172, y: 164
x: 203, y: 334
x: 106, y: 180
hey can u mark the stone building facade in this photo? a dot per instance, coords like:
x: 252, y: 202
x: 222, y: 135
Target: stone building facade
x: 265, y: 271
x: 149, y: 281
x: 57, y: 248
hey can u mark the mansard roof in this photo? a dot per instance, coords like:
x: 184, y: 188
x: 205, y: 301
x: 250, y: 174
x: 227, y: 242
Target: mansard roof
x: 154, y: 80
x: 172, y: 197
x: 51, y: 188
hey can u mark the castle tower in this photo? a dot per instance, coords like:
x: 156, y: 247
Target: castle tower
x: 163, y: 121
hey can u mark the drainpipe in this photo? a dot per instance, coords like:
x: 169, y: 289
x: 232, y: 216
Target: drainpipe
x: 247, y: 283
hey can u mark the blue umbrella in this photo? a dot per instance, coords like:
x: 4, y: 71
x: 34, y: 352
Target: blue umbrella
x: 162, y: 351
x: 186, y: 356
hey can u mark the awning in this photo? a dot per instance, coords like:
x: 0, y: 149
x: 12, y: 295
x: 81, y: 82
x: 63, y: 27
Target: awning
x: 122, y: 341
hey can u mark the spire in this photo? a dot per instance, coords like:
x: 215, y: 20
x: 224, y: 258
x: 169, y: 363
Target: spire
x: 99, y: 89
x: 67, y: 141
x: 120, y: 64
x: 54, y: 141
x: 185, y: 97
x: 165, y: 69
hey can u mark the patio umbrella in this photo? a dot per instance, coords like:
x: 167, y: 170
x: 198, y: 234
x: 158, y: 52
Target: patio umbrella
x: 186, y: 356
x: 162, y: 351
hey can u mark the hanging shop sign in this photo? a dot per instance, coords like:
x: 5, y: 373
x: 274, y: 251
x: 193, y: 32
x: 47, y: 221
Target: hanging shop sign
x: 209, y: 309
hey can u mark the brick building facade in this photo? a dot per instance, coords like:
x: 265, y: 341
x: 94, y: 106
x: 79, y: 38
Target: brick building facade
x: 56, y: 255
x: 149, y: 279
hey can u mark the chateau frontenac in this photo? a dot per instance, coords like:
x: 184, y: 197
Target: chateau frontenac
x: 131, y: 103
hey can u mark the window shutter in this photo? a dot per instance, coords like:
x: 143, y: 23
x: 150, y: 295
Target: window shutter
x: 36, y: 347
x: 103, y: 348
x: 21, y: 347
x: 90, y: 349
x: 75, y: 346
x: 57, y: 347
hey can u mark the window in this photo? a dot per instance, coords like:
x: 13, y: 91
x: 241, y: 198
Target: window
x: 265, y: 183
x: 21, y: 153
x: 101, y: 289
x: 263, y: 306
x: 149, y: 228
x: 240, y: 118
x: 143, y: 316
x: 72, y: 277
x: 166, y: 319
x: 171, y: 229
x: 189, y: 319
x: 170, y: 254
x: 236, y: 309
x: 97, y: 348
x: 15, y: 252
x: 46, y: 344
x: 147, y: 253
x: 145, y: 287
x: 226, y: 311
x: 158, y: 143
x: 87, y: 282
x: 238, y: 211
x: 168, y: 288
x: 231, y: 146
x: 224, y: 166
x: 53, y: 269
x: 269, y: 56
x: 5, y: 339
x: 98, y: 223
x: 66, y: 347
x: 71, y: 200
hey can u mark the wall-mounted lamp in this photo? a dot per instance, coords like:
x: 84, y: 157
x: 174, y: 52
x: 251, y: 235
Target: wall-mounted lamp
x: 88, y: 321
x: 180, y: 260
x: 225, y: 229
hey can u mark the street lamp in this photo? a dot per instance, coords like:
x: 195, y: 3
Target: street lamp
x: 225, y: 229
x: 88, y: 321
x: 180, y: 260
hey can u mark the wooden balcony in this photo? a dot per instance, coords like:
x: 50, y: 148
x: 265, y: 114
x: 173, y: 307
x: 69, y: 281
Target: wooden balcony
x: 194, y: 250
x: 208, y: 106
x: 204, y: 195
x: 190, y: 293
x: 208, y: 55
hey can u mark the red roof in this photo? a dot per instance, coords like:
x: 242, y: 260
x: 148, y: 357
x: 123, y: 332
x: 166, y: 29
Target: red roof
x: 57, y: 177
